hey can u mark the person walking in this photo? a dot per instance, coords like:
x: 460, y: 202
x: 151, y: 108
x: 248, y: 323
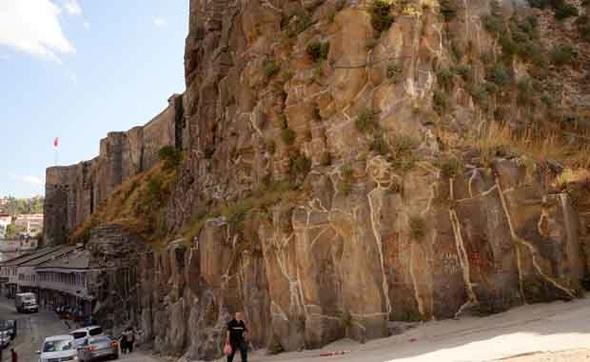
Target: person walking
x: 237, y: 337
x: 130, y: 339
x: 14, y: 356
x: 124, y: 343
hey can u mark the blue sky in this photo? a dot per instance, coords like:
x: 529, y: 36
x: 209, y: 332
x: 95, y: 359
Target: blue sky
x: 77, y: 69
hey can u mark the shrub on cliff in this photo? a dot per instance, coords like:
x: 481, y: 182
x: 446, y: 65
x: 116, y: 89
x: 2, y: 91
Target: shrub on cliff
x: 381, y: 17
x: 288, y: 136
x: 367, y: 121
x: 171, y: 156
x: 270, y: 68
x: 318, y: 50
x: 563, y: 55
x: 583, y: 25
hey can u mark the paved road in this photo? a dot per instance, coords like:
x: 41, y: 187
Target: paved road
x: 33, y: 328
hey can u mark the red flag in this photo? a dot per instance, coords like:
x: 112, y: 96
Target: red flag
x: 56, y: 142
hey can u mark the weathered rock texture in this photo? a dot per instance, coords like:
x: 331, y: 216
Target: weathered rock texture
x: 74, y: 192
x: 399, y: 206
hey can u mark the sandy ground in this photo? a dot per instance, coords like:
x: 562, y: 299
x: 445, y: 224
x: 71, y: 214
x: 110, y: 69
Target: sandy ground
x: 557, y: 331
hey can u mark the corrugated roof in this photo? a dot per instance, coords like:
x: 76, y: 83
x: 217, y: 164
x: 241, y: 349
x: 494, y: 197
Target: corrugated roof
x: 61, y: 251
x: 78, y: 259
x: 28, y: 257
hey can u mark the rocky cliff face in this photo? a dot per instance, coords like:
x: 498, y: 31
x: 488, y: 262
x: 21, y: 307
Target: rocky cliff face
x: 353, y: 163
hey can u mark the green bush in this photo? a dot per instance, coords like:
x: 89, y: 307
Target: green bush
x: 288, y: 136
x: 367, y: 121
x: 270, y: 68
x: 381, y: 17
x: 563, y: 55
x: 498, y: 74
x: 403, y: 152
x: 440, y: 101
x: 450, y: 167
x: 318, y: 50
x: 565, y: 11
x: 445, y: 78
x: 464, y: 71
x: 170, y: 156
x: 478, y: 92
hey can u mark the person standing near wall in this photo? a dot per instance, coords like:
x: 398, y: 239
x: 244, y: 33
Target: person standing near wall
x: 237, y: 337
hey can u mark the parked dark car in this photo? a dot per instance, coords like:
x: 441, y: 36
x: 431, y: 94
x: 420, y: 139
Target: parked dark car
x: 7, y: 332
x: 10, y: 326
x: 98, y: 348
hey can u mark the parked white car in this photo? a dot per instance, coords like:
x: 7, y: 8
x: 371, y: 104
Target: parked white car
x: 58, y: 348
x: 80, y: 335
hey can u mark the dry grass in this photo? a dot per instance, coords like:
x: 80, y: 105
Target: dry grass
x: 547, y: 147
x: 136, y: 204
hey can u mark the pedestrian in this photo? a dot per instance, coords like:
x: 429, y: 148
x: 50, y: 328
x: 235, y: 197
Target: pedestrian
x: 124, y: 343
x: 237, y: 337
x: 130, y: 339
x: 13, y: 355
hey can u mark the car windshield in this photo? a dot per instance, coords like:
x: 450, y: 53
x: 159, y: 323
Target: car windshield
x: 78, y: 335
x: 57, y: 346
x: 97, y: 340
x: 95, y: 331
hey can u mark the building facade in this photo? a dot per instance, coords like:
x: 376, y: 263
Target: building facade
x: 59, y: 276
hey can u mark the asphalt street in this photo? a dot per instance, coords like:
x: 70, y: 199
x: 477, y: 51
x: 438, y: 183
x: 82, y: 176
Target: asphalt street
x: 33, y: 328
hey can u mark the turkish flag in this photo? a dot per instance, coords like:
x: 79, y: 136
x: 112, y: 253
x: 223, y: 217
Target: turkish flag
x: 56, y: 142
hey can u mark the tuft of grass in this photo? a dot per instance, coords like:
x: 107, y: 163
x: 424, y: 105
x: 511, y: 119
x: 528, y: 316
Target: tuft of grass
x: 379, y: 145
x: 563, y: 55
x: 403, y: 149
x: 299, y: 165
x: 440, y: 101
x: 288, y: 136
x: 565, y: 11
x: 445, y: 78
x: 367, y: 121
x: 499, y: 75
x: 318, y: 50
x: 270, y: 67
x: 381, y: 16
x: 450, y: 167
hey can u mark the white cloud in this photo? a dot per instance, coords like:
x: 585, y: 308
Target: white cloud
x: 72, y: 7
x: 30, y: 180
x: 86, y: 25
x: 160, y: 22
x: 32, y: 26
